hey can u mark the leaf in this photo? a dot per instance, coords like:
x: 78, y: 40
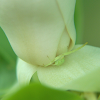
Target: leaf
x: 99, y: 98
x: 40, y: 92
x: 5, y: 48
x: 7, y: 64
x: 7, y: 77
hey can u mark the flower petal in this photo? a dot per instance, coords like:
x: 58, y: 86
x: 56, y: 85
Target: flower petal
x: 24, y: 72
x: 89, y: 82
x: 35, y: 28
x: 76, y: 65
x: 68, y: 16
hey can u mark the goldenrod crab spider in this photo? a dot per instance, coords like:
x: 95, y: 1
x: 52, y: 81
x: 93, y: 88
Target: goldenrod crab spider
x: 59, y: 60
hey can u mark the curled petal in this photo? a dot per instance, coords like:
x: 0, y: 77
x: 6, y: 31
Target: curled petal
x: 36, y: 28
x: 24, y: 72
x: 33, y: 28
x: 68, y: 17
x: 76, y: 65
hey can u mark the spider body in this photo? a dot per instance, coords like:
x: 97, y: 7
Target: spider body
x: 59, y: 62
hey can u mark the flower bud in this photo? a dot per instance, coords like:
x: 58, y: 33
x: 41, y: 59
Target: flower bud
x: 38, y: 29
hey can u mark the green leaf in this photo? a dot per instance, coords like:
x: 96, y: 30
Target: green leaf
x: 40, y: 92
x: 5, y: 48
x: 99, y: 98
x: 7, y: 77
x: 7, y: 64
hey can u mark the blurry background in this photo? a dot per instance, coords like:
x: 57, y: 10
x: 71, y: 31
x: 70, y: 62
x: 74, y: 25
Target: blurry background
x: 87, y: 22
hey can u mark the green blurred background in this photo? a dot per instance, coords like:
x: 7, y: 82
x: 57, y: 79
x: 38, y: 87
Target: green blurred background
x: 87, y: 22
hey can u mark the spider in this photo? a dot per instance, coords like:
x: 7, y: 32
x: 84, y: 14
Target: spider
x: 59, y: 60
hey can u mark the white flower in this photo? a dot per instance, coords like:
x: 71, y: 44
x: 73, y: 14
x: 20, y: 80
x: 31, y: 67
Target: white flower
x: 38, y: 29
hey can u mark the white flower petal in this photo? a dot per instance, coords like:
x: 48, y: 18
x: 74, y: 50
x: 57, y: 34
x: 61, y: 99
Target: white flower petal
x: 68, y: 16
x: 89, y: 82
x: 36, y: 28
x: 24, y: 72
x: 76, y: 65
